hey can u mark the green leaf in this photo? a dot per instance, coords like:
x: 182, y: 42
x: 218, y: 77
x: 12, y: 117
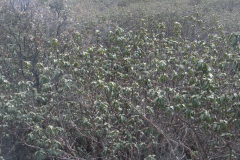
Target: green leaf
x: 40, y: 155
x: 196, y: 102
x: 234, y: 40
x: 222, y: 99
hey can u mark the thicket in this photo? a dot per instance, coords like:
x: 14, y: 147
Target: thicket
x: 142, y: 83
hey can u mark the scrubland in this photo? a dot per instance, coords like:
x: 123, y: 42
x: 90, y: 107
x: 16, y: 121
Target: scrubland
x: 119, y: 79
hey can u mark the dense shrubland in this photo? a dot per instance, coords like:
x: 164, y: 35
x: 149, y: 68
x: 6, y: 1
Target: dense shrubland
x: 119, y: 80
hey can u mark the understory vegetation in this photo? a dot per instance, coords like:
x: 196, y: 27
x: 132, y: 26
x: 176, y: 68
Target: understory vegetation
x: 119, y: 79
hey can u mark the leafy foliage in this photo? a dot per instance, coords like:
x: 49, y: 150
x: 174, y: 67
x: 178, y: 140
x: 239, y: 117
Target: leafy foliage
x: 143, y: 93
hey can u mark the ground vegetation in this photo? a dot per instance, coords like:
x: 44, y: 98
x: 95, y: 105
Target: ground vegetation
x: 122, y: 79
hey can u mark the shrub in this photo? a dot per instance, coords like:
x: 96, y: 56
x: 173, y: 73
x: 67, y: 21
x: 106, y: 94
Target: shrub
x: 156, y: 91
